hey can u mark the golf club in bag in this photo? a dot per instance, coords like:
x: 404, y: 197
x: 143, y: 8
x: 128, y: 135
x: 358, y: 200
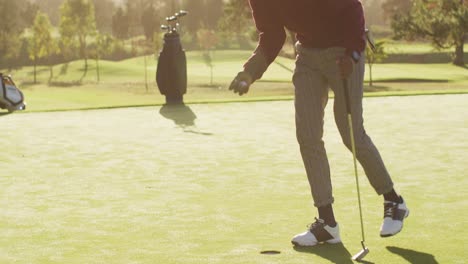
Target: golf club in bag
x: 171, y: 73
x: 11, y: 98
x: 361, y: 254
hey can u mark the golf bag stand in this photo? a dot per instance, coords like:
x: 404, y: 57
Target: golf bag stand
x: 171, y: 73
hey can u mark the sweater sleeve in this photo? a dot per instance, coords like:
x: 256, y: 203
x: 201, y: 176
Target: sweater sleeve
x: 354, y: 24
x: 272, y: 36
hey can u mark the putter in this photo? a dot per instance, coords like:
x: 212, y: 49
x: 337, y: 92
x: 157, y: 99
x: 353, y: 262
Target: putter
x: 359, y: 256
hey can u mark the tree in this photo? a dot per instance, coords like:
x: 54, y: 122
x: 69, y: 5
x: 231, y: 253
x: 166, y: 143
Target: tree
x: 393, y: 7
x: 22, y: 12
x: 9, y: 32
x: 215, y: 13
x: 236, y: 19
x: 120, y: 24
x: 373, y: 56
x: 195, y: 19
x: 148, y: 49
x: 104, y: 10
x: 77, y: 24
x: 207, y: 40
x: 101, y: 46
x: 29, y: 13
x: 50, y: 8
x: 41, y: 43
x: 444, y: 22
x: 373, y: 10
x: 150, y: 22
x: 203, y: 14
x: 134, y: 11
x: 33, y: 51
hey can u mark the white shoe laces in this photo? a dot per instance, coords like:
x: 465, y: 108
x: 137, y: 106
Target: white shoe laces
x: 389, y: 209
x: 319, y: 223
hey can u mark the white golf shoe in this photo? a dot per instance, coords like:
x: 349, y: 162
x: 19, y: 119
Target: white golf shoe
x: 318, y: 232
x: 394, y: 215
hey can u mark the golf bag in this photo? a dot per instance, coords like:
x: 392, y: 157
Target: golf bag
x: 171, y: 74
x: 11, y: 98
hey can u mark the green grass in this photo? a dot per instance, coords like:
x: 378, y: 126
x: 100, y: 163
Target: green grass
x: 402, y: 47
x: 218, y: 183
x: 123, y: 83
x: 442, y: 73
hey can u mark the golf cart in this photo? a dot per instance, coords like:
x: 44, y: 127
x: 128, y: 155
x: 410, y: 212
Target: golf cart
x: 11, y: 98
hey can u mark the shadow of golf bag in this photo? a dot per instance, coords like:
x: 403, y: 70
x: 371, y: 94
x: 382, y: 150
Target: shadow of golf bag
x: 171, y: 74
x: 11, y: 98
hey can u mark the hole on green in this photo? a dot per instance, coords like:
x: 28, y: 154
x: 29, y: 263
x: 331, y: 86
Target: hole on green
x: 270, y: 252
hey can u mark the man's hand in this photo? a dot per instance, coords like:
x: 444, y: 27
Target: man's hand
x: 241, y: 83
x: 346, y: 66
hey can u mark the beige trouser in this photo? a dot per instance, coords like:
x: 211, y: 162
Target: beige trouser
x: 316, y: 70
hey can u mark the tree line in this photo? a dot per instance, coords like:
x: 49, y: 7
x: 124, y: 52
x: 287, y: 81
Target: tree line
x: 33, y: 33
x: 39, y: 33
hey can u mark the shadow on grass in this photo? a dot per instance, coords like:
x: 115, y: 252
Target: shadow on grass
x: 412, y: 80
x: 65, y: 84
x: 4, y: 114
x: 212, y: 86
x: 335, y: 253
x: 183, y: 117
x: 28, y: 83
x: 376, y: 88
x: 413, y: 256
x: 38, y: 71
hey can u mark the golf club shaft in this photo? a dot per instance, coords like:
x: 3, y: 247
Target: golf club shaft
x: 353, y: 148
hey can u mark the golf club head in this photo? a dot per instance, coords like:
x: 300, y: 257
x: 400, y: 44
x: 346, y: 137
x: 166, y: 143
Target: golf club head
x: 171, y: 18
x: 181, y: 13
x: 359, y: 256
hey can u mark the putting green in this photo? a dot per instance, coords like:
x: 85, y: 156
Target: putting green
x: 220, y: 183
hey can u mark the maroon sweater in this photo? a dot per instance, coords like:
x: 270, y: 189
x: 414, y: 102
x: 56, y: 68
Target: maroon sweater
x: 317, y: 24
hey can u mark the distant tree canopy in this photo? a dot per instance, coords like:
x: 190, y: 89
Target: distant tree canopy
x: 150, y: 21
x: 104, y: 10
x: 444, y: 22
x: 135, y: 18
x: 77, y: 24
x: 50, y: 8
x: 237, y: 19
x: 120, y: 24
x: 373, y: 12
x: 203, y: 14
x: 41, y: 43
x: 9, y: 30
x: 29, y: 14
x: 395, y: 7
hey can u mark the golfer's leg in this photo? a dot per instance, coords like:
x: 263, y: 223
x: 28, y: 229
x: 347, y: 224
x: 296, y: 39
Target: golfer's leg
x: 367, y: 154
x: 311, y: 95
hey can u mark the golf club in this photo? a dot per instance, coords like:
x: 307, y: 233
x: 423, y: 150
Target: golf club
x: 181, y: 13
x: 167, y: 27
x: 361, y: 254
x: 173, y: 25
